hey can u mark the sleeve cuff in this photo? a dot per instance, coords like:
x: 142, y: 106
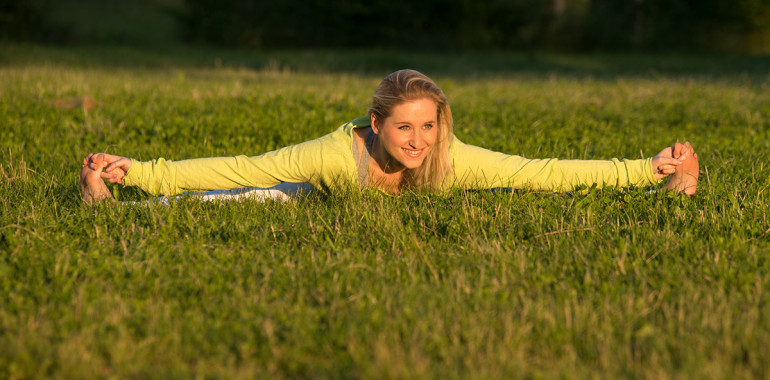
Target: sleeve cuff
x: 649, y: 173
x: 134, y: 175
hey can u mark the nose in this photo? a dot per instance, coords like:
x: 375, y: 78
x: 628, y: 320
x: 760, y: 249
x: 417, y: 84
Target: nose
x: 416, y: 138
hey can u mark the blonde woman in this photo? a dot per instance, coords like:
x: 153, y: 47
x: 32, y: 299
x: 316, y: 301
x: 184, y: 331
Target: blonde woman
x: 405, y: 143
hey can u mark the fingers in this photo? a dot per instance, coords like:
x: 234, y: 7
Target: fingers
x: 107, y: 164
x: 677, y: 150
x: 87, y: 160
x: 666, y: 169
x: 116, y: 179
x: 93, y: 160
x: 94, y: 165
x: 681, y: 151
x: 669, y: 161
x: 120, y: 163
x: 112, y: 165
x: 112, y: 177
x: 667, y: 165
x: 111, y: 161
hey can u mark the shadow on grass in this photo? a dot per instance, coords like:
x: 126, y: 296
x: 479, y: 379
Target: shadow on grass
x: 381, y: 62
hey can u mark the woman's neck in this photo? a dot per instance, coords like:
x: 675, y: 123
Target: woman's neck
x: 385, y: 161
x: 385, y: 172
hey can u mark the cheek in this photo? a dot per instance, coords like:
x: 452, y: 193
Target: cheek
x: 432, y: 137
x: 393, y: 141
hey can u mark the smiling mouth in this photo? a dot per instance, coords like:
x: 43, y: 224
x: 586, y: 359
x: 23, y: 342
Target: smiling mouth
x: 413, y: 153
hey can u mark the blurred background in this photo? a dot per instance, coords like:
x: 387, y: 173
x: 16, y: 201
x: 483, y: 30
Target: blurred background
x: 736, y: 26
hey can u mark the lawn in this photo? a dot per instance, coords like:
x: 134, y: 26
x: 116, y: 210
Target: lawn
x: 506, y: 284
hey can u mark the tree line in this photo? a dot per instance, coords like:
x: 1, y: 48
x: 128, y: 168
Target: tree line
x: 562, y: 25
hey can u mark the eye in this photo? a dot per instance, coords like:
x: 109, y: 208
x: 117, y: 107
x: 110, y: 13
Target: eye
x: 427, y: 126
x: 404, y: 128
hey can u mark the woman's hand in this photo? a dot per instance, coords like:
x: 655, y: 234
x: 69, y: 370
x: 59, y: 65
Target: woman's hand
x: 669, y: 159
x: 115, y: 169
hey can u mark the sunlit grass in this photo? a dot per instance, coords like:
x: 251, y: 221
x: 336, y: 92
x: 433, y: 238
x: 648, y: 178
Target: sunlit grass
x: 599, y: 283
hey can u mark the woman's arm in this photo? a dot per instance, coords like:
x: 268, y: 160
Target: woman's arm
x: 481, y: 168
x: 315, y: 162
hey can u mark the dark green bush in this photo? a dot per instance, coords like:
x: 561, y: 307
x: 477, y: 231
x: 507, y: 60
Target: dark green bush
x: 708, y: 25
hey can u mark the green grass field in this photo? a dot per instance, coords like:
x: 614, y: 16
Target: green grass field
x: 604, y: 283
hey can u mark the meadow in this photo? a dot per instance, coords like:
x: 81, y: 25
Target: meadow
x: 598, y: 283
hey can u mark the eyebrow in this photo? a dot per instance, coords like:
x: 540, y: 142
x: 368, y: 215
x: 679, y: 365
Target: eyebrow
x: 406, y: 122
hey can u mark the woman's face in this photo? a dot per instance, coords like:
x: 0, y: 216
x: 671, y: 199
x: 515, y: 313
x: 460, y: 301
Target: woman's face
x: 408, y: 134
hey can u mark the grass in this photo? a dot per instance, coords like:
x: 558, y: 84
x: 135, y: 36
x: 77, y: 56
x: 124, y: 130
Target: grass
x: 605, y: 283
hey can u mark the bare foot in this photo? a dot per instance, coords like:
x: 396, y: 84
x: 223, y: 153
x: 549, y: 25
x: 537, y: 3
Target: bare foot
x: 685, y: 179
x: 92, y: 187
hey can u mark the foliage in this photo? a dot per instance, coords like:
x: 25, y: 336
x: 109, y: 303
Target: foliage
x: 599, y: 283
x: 688, y: 24
x: 741, y: 26
x: 148, y: 23
x: 501, y: 24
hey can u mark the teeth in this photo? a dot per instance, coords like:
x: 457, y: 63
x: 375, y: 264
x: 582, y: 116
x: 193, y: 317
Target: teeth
x: 412, y: 152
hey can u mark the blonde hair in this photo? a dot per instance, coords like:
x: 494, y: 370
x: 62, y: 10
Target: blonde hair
x: 407, y: 85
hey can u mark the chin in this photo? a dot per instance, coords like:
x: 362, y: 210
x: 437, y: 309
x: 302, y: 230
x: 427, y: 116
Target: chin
x: 412, y: 164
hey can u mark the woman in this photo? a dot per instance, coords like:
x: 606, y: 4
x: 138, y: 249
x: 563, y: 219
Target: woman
x: 406, y: 143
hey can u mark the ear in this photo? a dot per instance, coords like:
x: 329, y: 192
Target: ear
x: 375, y: 127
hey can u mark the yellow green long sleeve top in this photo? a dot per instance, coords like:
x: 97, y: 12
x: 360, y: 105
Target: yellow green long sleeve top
x: 328, y: 163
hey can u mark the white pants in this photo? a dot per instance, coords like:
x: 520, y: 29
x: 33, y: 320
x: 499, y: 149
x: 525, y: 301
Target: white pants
x: 281, y: 192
